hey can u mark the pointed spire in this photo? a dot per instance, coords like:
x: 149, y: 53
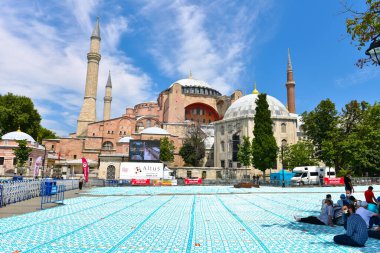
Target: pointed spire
x: 255, y: 91
x: 190, y: 75
x: 290, y: 68
x: 96, y: 31
x: 109, y: 83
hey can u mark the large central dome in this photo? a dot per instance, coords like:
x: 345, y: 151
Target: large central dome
x: 246, y: 107
x: 189, y: 82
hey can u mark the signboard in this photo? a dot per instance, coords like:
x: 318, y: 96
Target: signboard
x: 334, y: 181
x: 140, y: 181
x: 193, y: 180
x: 144, y: 150
x: 53, y: 190
x: 136, y: 170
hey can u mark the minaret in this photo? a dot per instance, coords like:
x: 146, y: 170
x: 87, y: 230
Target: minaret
x: 88, y: 112
x: 107, y: 99
x: 290, y: 84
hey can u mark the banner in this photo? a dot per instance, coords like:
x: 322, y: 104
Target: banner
x: 135, y: 170
x: 140, y: 181
x: 37, y: 166
x: 193, y: 180
x: 334, y: 181
x: 85, y: 169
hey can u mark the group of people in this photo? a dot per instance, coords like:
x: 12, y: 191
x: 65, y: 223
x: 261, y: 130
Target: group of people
x: 361, y: 219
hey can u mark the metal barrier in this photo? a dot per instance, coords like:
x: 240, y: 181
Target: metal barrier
x: 365, y: 180
x: 52, y: 193
x: 16, y: 191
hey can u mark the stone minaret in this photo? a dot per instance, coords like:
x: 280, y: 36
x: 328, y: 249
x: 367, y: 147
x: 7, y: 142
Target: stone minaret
x: 290, y: 84
x: 107, y: 99
x: 88, y: 112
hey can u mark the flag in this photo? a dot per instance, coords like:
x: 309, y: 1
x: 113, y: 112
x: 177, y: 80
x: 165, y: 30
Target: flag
x: 37, y: 166
x: 85, y: 169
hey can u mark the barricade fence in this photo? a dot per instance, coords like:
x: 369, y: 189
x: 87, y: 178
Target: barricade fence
x: 20, y: 190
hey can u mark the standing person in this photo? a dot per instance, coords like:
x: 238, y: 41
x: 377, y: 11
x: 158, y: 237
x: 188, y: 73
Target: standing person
x: 348, y: 184
x: 356, y: 234
x: 320, y: 180
x: 81, y: 181
x: 325, y: 218
x: 369, y: 196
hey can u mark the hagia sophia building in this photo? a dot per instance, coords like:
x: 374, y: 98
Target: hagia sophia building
x: 224, y: 119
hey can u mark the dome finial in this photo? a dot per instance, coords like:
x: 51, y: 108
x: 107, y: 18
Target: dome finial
x: 190, y: 75
x: 255, y: 91
x: 18, y: 130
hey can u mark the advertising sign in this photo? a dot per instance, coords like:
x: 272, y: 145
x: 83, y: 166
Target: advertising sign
x: 334, y: 181
x: 140, y: 181
x: 136, y: 170
x: 193, y: 180
x: 144, y: 150
x: 85, y: 169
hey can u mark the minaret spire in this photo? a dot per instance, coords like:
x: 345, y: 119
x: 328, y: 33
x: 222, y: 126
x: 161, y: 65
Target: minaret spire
x: 255, y: 91
x: 107, y: 99
x: 290, y: 86
x: 88, y: 112
x: 190, y: 75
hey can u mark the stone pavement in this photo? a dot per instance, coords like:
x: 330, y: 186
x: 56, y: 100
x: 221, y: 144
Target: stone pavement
x: 32, y: 205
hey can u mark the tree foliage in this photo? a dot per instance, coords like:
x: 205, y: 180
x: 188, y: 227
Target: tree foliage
x: 22, y: 153
x: 166, y: 150
x: 193, y: 149
x: 264, y: 147
x: 299, y: 154
x: 352, y: 139
x: 363, y: 26
x: 18, y: 111
x: 244, y: 154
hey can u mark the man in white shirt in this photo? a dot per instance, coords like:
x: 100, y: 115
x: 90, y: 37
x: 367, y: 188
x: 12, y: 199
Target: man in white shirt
x: 367, y: 215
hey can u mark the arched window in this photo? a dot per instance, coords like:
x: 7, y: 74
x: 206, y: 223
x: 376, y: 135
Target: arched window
x: 148, y: 123
x: 111, y: 172
x: 283, y: 128
x: 222, y: 130
x: 222, y: 146
x: 107, y: 145
x: 284, y: 142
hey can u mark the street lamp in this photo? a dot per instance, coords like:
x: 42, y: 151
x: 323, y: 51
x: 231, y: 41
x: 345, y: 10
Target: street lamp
x: 374, y: 50
x: 282, y: 164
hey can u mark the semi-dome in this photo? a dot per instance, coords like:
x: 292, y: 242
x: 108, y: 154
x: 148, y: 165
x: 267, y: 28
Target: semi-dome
x: 125, y: 139
x: 154, y: 130
x: 189, y: 82
x: 246, y: 107
x: 18, y: 135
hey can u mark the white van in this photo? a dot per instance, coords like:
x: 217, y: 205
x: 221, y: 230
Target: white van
x: 310, y: 174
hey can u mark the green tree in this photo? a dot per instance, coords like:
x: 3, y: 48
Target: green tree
x: 44, y: 133
x: 19, y: 112
x: 193, y: 149
x: 321, y: 127
x: 264, y: 147
x: 299, y: 154
x: 363, y: 26
x: 244, y: 154
x: 22, y: 153
x: 166, y: 150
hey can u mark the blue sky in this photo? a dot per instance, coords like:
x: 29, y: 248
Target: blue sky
x: 148, y: 45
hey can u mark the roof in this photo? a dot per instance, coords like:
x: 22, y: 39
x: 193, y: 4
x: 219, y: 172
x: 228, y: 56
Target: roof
x: 192, y: 83
x: 18, y: 135
x: 154, y: 130
x: 246, y: 107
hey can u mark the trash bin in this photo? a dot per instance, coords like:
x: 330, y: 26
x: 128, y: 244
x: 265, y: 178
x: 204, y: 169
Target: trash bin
x: 47, y: 186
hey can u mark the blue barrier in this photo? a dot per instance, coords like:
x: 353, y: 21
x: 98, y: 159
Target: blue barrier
x: 51, y: 193
x: 1, y: 195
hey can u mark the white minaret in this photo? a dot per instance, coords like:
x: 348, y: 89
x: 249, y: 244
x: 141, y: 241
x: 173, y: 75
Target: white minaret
x: 88, y: 112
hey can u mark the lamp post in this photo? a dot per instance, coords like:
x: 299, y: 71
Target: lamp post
x: 374, y: 50
x: 282, y: 164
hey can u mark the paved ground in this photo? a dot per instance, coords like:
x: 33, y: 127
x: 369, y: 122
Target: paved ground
x: 179, y: 219
x: 31, y: 205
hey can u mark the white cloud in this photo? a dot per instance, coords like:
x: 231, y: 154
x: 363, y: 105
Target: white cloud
x: 358, y: 77
x: 187, y: 36
x: 44, y: 57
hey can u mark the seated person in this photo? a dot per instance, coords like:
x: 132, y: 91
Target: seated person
x: 356, y: 234
x: 343, y: 200
x: 328, y: 196
x: 374, y: 233
x: 325, y: 218
x: 369, y: 217
x: 369, y: 196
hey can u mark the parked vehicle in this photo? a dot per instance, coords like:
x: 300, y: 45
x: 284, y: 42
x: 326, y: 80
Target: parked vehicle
x: 311, y: 175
